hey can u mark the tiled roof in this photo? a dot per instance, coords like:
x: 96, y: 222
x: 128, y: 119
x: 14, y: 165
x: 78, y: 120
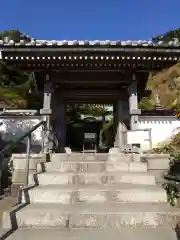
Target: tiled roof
x: 106, y: 43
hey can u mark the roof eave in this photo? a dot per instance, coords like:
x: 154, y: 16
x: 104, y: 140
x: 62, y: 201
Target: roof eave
x: 89, y: 49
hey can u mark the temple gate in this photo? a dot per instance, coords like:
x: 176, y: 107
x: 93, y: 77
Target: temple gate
x: 103, y: 72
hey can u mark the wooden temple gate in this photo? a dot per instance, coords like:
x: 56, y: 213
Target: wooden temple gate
x: 101, y: 72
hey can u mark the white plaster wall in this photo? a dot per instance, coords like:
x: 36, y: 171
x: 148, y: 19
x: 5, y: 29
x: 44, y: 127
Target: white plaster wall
x: 162, y: 127
x: 12, y: 128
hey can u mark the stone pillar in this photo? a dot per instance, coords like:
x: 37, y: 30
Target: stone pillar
x: 115, y: 126
x: 119, y: 111
x: 61, y: 117
x: 46, y: 112
x: 133, y: 104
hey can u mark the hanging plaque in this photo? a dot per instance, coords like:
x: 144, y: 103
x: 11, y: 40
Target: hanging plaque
x: 90, y: 136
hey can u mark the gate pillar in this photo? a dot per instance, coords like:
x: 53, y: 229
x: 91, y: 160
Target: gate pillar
x: 46, y: 112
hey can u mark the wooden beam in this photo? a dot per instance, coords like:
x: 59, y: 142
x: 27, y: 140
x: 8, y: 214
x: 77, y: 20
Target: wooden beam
x: 29, y: 49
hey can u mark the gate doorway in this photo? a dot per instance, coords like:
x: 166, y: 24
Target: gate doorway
x: 84, y: 126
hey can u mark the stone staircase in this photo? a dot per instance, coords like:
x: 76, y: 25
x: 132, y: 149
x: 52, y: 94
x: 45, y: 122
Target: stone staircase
x: 85, y: 196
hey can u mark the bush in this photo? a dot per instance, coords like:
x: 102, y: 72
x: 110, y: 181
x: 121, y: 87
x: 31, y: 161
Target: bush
x: 172, y: 191
x: 165, y: 149
x: 173, y: 147
x: 145, y: 103
x: 176, y: 156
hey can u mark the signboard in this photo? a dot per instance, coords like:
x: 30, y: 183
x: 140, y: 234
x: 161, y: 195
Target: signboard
x: 89, y: 142
x: 90, y: 136
x: 141, y: 137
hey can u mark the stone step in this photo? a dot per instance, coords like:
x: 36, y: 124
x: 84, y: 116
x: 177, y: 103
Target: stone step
x: 88, y: 234
x: 143, y: 178
x: 47, y: 178
x: 74, y: 167
x: 3, y: 231
x: 68, y: 194
x: 92, y: 166
x: 106, y: 216
x: 79, y: 157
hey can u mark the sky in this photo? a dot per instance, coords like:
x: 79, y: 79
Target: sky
x: 90, y: 20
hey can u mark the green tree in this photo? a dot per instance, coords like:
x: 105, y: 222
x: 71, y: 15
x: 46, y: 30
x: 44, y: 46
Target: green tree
x: 145, y: 103
x: 75, y: 110
x: 14, y: 34
x: 169, y: 36
x: 16, y: 86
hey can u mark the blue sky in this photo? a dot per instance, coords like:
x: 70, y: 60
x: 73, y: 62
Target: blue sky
x: 95, y: 19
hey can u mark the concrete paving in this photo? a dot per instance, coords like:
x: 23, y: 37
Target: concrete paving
x: 128, y: 234
x: 77, y: 157
x: 67, y: 194
x: 53, y: 177
x: 106, y: 215
x: 94, y: 166
x: 6, y: 204
x: 84, y: 196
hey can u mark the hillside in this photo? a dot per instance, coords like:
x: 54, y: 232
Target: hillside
x: 165, y: 85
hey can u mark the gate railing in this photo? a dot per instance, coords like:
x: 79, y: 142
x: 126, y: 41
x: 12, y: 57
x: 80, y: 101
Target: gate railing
x: 12, y: 145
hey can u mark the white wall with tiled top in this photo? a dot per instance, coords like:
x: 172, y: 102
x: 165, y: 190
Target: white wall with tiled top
x: 162, y: 127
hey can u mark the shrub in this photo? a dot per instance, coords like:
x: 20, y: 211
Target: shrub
x: 172, y: 192
x: 173, y: 147
x: 145, y: 103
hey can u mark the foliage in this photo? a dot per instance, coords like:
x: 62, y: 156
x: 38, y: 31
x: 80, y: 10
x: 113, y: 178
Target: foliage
x: 14, y: 34
x: 172, y: 191
x: 175, y: 139
x: 15, y: 86
x: 10, y: 166
x: 165, y: 149
x: 145, y: 103
x: 176, y: 108
x: 107, y: 124
x: 169, y: 36
x: 176, y: 156
x: 172, y: 147
x: 74, y: 111
x: 91, y: 109
x: 166, y: 83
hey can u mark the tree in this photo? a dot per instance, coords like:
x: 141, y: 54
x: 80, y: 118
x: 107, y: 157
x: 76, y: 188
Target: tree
x: 145, y: 103
x: 15, y: 86
x: 74, y: 111
x: 14, y: 34
x: 169, y: 36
